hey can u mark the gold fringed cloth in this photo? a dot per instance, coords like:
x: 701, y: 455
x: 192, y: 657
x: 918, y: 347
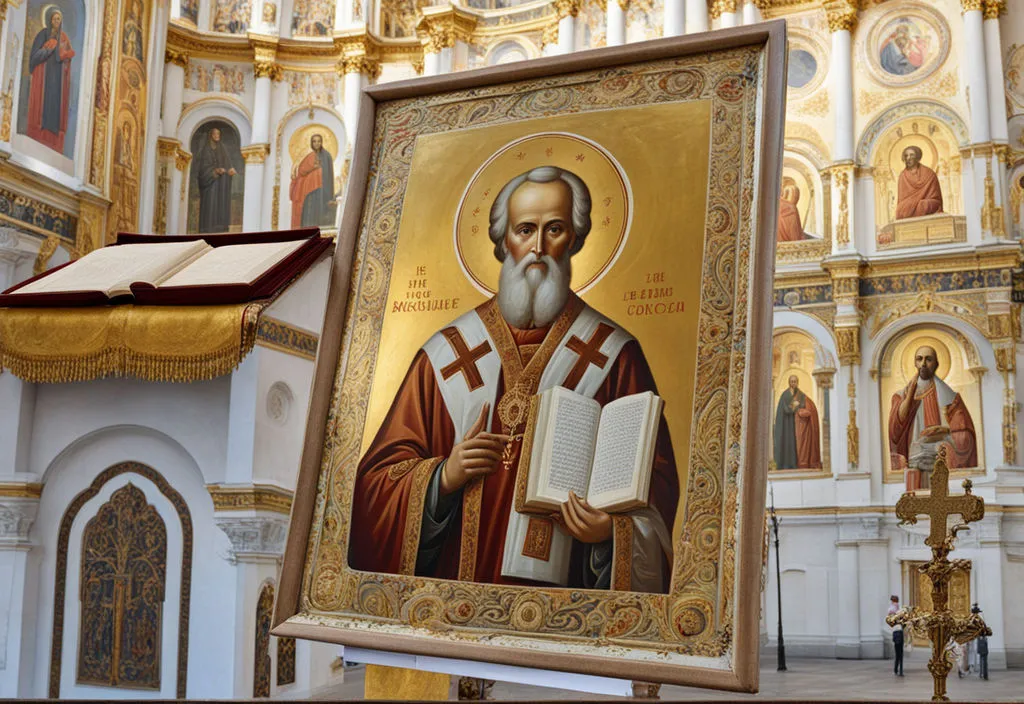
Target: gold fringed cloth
x: 153, y: 343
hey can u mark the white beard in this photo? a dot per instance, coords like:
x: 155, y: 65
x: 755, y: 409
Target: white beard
x: 533, y: 298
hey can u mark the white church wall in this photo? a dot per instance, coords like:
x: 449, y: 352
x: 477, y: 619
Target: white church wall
x: 195, y: 415
x: 211, y: 623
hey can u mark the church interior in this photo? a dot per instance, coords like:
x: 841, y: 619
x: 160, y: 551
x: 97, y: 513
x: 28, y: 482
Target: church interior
x: 897, y: 301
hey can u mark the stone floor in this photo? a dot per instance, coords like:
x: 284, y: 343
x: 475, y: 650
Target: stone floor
x: 854, y: 680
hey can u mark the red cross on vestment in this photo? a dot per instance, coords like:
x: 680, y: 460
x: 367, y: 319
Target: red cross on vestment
x: 465, y: 359
x: 589, y: 353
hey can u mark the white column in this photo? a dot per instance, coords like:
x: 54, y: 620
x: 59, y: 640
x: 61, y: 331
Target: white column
x: 977, y: 80
x: 842, y: 95
x: 848, y: 637
x: 261, y: 109
x: 342, y: 14
x: 994, y: 66
x: 567, y: 34
x: 174, y: 224
x: 252, y: 213
x: 675, y: 15
x: 616, y: 23
x: 431, y: 63
x: 873, y: 573
x: 729, y: 19
x: 696, y: 16
x: 751, y: 13
x: 174, y: 91
x: 18, y: 593
x: 355, y: 81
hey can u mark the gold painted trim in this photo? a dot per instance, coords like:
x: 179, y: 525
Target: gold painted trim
x: 256, y: 153
x: 20, y: 490
x: 784, y: 475
x: 298, y: 342
x: 251, y: 497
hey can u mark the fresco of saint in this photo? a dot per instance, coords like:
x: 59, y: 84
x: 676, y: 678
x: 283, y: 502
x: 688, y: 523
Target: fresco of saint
x: 797, y: 433
x: 924, y: 416
x: 918, y: 192
x: 312, y: 187
x: 49, y: 96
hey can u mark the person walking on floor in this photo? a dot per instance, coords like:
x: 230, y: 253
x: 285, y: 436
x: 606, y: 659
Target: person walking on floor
x: 897, y: 637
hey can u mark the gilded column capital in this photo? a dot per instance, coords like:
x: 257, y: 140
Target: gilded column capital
x: 848, y: 346
x: 255, y: 153
x: 624, y: 4
x: 720, y: 7
x: 441, y: 26
x: 438, y: 38
x: 182, y: 159
x: 265, y: 58
x: 550, y: 34
x: 366, y: 65
x: 417, y: 66
x: 763, y: 5
x: 178, y: 57
x: 994, y: 8
x: 167, y: 148
x: 841, y: 15
x: 972, y: 5
x: 567, y: 8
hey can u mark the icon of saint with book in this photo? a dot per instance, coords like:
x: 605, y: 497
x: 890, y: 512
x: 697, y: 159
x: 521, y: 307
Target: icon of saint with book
x: 526, y: 443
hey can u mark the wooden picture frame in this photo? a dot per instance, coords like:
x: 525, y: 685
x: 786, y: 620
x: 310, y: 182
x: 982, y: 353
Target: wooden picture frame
x: 704, y: 631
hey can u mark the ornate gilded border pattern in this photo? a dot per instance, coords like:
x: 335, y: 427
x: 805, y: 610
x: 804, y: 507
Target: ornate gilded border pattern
x: 64, y: 536
x: 696, y: 618
x: 38, y: 216
x: 251, y: 497
x: 278, y: 335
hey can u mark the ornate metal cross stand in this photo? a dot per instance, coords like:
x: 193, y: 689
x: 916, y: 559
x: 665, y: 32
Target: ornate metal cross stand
x: 941, y: 624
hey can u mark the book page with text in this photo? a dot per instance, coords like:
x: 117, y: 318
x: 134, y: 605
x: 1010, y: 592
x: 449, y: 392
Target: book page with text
x: 113, y: 269
x: 572, y: 427
x: 620, y: 445
x: 233, y: 264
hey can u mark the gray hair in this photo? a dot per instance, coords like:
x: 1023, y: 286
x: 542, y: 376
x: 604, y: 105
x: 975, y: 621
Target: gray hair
x: 542, y: 174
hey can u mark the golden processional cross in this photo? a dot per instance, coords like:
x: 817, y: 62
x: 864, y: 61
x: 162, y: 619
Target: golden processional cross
x: 940, y: 623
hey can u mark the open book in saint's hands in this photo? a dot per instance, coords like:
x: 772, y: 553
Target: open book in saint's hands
x: 603, y: 455
x: 172, y: 272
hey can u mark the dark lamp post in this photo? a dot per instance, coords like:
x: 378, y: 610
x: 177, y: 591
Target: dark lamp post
x: 778, y: 584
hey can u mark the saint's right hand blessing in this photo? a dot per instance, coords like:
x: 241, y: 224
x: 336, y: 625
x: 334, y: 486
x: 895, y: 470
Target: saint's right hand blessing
x: 477, y: 455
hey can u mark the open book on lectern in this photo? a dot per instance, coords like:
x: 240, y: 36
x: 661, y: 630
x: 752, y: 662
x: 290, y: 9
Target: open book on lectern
x: 604, y: 455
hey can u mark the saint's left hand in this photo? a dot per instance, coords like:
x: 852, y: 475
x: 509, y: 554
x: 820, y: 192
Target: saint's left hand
x: 583, y: 522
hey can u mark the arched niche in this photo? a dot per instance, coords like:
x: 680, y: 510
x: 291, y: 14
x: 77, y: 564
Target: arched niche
x: 292, y: 150
x: 960, y: 368
x: 866, y: 146
x: 172, y: 511
x: 801, y: 435
x: 940, y: 152
x: 805, y: 140
x: 216, y: 178
x: 509, y: 50
x: 800, y: 176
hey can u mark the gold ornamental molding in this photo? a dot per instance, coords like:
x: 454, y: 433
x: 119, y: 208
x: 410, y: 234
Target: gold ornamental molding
x: 264, y: 62
x: 972, y: 5
x: 801, y: 278
x: 176, y: 56
x: 250, y: 497
x: 569, y: 8
x: 994, y: 8
x: 19, y: 490
x: 1008, y: 256
x: 206, y: 45
x: 442, y: 26
x: 182, y: 159
x: 256, y: 153
x: 167, y: 148
x: 841, y: 15
x: 720, y: 7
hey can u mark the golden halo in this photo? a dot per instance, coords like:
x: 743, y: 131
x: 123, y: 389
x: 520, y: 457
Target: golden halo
x: 46, y: 8
x: 298, y: 145
x: 911, y: 347
x: 610, y: 196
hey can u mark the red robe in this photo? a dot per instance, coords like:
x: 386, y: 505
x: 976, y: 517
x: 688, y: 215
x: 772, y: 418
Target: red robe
x: 918, y: 193
x: 418, y: 434
x: 963, y: 444
x: 789, y: 229
x: 808, y: 447
x: 309, y: 178
x: 39, y: 126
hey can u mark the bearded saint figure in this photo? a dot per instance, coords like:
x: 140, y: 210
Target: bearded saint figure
x: 926, y: 415
x: 434, y: 496
x: 49, y: 92
x: 797, y: 434
x: 918, y: 192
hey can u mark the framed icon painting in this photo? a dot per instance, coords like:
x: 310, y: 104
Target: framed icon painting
x: 540, y: 422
